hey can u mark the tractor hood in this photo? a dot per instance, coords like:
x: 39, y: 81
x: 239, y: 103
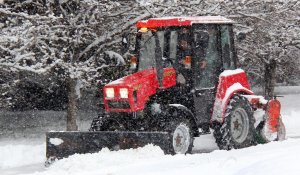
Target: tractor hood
x: 134, y: 80
x: 139, y: 87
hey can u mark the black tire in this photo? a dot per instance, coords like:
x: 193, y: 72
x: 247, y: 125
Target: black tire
x: 238, y: 130
x: 181, y: 135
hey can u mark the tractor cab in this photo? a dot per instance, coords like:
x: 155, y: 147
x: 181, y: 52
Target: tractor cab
x: 199, y: 45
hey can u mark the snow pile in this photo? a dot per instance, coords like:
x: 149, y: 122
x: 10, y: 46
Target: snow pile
x: 12, y: 155
x: 258, y: 160
x: 108, y: 162
x: 292, y: 123
x: 262, y: 159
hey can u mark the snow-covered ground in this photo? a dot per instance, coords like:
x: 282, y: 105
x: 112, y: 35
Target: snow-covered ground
x: 27, y: 156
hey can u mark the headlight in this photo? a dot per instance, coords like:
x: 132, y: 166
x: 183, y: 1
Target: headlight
x: 123, y: 92
x: 110, y: 93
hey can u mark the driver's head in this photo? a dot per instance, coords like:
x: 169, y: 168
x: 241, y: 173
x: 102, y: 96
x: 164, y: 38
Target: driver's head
x: 184, y: 35
x: 183, y: 44
x: 185, y: 31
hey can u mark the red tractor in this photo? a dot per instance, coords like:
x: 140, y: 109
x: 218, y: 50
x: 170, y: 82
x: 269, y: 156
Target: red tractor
x: 184, y: 83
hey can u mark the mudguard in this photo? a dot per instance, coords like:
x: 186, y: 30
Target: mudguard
x: 230, y: 83
x: 189, y: 115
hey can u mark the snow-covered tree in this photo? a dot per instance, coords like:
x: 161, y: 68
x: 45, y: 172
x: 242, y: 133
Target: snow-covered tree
x: 272, y: 29
x: 67, y: 39
x: 57, y: 44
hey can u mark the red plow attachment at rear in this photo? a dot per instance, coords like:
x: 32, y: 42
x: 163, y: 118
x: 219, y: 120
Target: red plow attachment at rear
x: 271, y: 127
x: 274, y: 128
x: 64, y: 144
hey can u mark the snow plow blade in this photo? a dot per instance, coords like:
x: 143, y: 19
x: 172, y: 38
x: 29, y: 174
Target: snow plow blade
x: 63, y: 144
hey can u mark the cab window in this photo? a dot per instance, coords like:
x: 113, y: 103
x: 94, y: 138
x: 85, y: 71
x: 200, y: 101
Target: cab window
x: 227, y: 48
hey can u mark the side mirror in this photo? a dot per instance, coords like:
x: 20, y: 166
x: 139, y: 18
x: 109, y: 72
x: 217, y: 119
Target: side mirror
x: 125, y: 44
x: 241, y: 36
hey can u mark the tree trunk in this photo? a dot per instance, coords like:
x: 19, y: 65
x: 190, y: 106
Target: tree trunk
x: 270, y: 79
x: 72, y: 105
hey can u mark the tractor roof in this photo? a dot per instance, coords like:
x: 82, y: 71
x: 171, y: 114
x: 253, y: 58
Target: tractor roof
x: 182, y: 21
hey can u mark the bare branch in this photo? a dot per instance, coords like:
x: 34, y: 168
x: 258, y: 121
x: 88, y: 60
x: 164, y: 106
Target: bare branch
x: 103, y: 39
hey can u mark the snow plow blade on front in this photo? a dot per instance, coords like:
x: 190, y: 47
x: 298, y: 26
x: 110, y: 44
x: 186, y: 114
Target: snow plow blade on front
x: 63, y: 144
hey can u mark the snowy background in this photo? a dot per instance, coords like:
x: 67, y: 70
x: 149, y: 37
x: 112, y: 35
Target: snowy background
x: 45, y: 43
x: 21, y: 155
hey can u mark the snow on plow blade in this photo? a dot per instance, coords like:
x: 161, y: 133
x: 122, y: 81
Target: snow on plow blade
x: 64, y: 144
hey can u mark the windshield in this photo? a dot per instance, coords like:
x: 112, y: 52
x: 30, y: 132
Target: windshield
x: 146, y: 51
x: 146, y: 47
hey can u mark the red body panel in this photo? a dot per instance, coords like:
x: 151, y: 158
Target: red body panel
x: 145, y: 84
x: 237, y: 82
x: 154, y: 23
x: 181, y: 21
x: 226, y: 81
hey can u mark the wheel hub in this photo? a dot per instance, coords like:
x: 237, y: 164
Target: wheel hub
x: 178, y: 140
x: 236, y: 124
x: 181, y: 139
x: 239, y: 125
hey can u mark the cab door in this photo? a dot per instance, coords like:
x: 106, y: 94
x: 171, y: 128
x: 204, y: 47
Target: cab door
x: 207, y: 65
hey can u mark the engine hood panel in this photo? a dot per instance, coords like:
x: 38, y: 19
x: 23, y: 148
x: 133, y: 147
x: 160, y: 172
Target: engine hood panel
x: 141, y: 85
x: 132, y: 80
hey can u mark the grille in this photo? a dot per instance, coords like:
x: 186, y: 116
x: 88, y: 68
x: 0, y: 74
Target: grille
x: 118, y: 104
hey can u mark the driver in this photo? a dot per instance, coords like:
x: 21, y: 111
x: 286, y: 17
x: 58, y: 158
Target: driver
x: 183, y: 66
x: 183, y: 56
x: 184, y: 51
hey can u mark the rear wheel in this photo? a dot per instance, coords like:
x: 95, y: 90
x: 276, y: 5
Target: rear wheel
x: 237, y: 131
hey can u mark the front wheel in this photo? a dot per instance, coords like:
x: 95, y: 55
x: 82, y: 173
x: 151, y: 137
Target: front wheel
x: 238, y: 130
x: 182, y: 138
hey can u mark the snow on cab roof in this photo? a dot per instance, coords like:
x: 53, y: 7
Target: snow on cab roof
x: 182, y: 21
